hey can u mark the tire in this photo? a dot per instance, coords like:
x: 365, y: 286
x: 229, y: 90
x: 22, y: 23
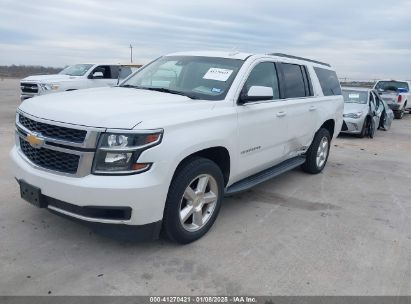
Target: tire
x: 371, y: 128
x: 190, y: 174
x: 312, y: 165
x: 364, y: 128
x: 399, y: 114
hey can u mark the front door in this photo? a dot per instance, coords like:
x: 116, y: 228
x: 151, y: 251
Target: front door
x: 262, y: 124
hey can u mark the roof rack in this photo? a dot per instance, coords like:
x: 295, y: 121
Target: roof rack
x: 300, y: 58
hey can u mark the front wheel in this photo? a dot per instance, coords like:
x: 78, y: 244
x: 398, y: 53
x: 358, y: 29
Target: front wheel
x: 371, y: 128
x: 317, y: 154
x: 193, y: 200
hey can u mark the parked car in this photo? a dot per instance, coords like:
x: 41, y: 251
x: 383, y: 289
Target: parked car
x: 363, y: 109
x: 396, y: 94
x: 160, y: 151
x: 78, y: 76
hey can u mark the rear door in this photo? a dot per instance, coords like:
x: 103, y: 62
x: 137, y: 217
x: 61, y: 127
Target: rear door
x: 301, y: 107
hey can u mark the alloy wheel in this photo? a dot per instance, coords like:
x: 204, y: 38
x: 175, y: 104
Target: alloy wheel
x: 322, y: 152
x: 198, y: 202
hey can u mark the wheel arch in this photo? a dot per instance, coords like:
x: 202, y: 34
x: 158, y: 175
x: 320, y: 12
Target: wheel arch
x: 217, y: 154
x: 330, y: 126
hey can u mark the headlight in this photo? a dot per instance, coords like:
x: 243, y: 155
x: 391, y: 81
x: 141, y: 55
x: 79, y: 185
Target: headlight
x: 117, y: 153
x: 353, y: 115
x: 49, y: 86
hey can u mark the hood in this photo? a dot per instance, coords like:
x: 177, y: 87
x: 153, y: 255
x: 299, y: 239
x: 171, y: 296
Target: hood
x: 354, y: 107
x: 112, y: 107
x: 48, y: 78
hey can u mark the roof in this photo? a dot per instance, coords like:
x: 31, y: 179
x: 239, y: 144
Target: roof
x: 299, y: 58
x: 243, y: 55
x: 221, y: 54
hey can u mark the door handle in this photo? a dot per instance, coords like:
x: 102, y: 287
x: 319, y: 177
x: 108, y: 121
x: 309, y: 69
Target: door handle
x: 313, y: 108
x: 281, y: 114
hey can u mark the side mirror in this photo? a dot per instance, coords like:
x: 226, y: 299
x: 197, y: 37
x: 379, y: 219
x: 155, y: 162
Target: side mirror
x: 98, y: 74
x: 256, y: 93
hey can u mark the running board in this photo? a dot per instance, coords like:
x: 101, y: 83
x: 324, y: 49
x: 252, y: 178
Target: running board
x: 265, y: 175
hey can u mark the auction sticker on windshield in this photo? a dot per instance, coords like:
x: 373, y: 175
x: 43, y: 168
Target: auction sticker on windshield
x: 218, y: 74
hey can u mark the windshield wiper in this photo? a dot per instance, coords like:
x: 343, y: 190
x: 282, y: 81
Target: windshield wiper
x: 165, y: 90
x: 129, y: 86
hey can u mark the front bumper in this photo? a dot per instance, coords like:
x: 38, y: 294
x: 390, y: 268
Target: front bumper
x: 144, y: 194
x: 352, y: 125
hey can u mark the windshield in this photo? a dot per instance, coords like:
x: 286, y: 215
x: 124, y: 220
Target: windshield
x: 193, y: 76
x: 392, y: 86
x: 76, y: 70
x: 352, y: 96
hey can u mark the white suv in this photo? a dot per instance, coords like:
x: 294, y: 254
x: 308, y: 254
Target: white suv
x: 78, y: 76
x: 160, y: 151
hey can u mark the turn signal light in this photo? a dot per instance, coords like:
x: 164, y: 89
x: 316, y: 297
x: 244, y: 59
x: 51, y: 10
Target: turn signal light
x: 140, y: 167
x: 152, y: 138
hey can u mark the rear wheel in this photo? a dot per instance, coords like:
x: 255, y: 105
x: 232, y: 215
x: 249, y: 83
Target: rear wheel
x: 317, y: 154
x: 193, y: 200
x: 399, y: 114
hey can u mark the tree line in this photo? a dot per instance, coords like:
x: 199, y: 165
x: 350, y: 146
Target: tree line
x: 21, y: 71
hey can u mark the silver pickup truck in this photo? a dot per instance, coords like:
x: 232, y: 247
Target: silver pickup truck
x: 396, y: 94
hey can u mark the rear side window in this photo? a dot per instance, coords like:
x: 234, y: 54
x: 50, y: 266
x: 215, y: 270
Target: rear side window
x: 115, y: 69
x: 329, y: 81
x: 295, y: 82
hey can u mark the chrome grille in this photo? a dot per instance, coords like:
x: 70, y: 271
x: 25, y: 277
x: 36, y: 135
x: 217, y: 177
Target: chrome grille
x: 50, y: 159
x: 29, y: 87
x: 56, y: 132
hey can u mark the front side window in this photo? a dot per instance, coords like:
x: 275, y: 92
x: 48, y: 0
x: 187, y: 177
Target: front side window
x: 263, y: 74
x: 76, y: 70
x: 329, y: 82
x: 197, y: 77
x: 294, y: 82
x: 105, y: 69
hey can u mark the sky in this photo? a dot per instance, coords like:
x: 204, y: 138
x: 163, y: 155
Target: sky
x: 362, y: 39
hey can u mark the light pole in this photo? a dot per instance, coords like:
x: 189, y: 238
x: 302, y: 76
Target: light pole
x: 131, y: 53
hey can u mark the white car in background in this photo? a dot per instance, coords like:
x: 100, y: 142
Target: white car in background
x: 396, y: 94
x: 363, y: 112
x: 78, y: 76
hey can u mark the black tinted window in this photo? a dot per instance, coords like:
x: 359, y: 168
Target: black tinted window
x: 105, y: 69
x: 115, y: 69
x: 294, y: 85
x: 264, y: 74
x: 328, y: 81
x: 392, y: 86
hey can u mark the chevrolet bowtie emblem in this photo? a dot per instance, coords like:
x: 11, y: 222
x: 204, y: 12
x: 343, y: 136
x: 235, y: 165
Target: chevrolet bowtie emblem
x: 35, y: 141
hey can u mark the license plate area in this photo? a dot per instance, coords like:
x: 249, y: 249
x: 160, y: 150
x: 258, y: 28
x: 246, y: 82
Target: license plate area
x: 32, y: 195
